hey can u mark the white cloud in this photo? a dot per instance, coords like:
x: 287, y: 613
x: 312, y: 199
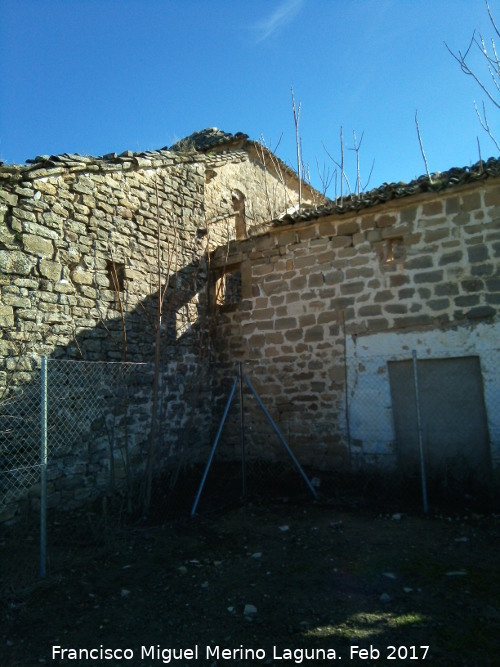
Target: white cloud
x: 282, y: 15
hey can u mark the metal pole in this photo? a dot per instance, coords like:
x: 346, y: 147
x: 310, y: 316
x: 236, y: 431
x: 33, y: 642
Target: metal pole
x: 282, y: 439
x: 419, y: 430
x: 242, y: 437
x: 346, y: 385
x: 43, y: 468
x: 214, y: 447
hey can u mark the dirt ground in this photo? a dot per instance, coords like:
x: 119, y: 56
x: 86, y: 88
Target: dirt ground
x: 279, y: 581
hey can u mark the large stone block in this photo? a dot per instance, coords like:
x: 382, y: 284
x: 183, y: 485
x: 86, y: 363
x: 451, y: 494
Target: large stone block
x: 6, y: 316
x: 37, y: 245
x: 15, y: 261
x: 49, y: 269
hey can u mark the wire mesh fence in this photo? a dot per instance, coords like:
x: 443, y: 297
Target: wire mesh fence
x: 71, y: 433
x: 91, y: 449
x: 20, y: 423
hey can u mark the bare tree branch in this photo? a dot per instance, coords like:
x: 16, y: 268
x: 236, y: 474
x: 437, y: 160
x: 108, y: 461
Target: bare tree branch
x: 296, y: 118
x: 422, y: 147
x: 489, y: 83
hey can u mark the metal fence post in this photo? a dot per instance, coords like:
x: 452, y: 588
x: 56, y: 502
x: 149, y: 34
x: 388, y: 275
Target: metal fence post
x: 419, y: 429
x: 242, y: 436
x: 43, y: 468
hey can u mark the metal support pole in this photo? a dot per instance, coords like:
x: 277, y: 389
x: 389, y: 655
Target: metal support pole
x: 282, y: 439
x: 419, y: 430
x: 214, y: 447
x: 43, y: 468
x: 242, y: 437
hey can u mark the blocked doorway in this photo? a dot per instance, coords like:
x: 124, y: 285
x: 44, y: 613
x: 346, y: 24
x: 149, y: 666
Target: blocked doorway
x: 453, y: 419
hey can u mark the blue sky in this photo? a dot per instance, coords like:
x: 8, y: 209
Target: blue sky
x: 97, y: 76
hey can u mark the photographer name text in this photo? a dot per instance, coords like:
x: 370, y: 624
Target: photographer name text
x: 297, y: 656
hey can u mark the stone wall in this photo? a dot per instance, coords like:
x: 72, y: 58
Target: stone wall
x: 246, y: 188
x: 80, y: 244
x: 313, y: 292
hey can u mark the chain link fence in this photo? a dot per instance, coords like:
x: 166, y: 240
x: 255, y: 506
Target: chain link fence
x: 428, y: 415
x: 20, y: 457
x: 71, y: 434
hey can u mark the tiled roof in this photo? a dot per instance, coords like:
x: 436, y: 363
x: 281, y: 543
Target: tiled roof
x: 438, y: 181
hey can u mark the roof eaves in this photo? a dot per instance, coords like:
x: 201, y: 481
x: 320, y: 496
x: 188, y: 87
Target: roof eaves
x: 387, y: 191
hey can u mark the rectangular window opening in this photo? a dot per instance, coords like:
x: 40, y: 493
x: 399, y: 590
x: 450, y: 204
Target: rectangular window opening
x: 228, y: 286
x: 394, y: 250
x: 116, y: 276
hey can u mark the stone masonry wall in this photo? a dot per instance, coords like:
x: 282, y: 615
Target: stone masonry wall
x: 79, y: 256
x: 268, y: 188
x: 428, y: 262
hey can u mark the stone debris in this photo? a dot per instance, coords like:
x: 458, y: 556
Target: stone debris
x: 249, y: 610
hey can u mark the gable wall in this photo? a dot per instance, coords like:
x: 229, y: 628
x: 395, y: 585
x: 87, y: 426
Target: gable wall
x: 268, y: 188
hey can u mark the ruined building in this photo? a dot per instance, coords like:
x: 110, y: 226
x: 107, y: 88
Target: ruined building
x: 325, y: 302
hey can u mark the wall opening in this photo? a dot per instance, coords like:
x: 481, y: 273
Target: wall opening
x: 228, y: 285
x: 238, y: 199
x: 116, y: 276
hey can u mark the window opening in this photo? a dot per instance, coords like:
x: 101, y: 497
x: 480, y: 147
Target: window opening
x: 228, y: 286
x: 394, y: 250
x: 116, y: 276
x: 240, y: 225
